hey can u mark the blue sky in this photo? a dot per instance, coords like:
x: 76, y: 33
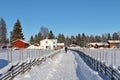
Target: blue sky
x: 69, y: 17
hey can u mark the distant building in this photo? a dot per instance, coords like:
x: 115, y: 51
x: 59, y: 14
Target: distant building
x: 48, y: 44
x: 19, y: 43
x: 6, y: 45
x: 113, y: 43
x: 36, y: 44
x: 60, y: 45
x: 98, y: 45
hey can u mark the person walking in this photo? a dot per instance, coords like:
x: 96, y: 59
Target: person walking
x: 66, y: 49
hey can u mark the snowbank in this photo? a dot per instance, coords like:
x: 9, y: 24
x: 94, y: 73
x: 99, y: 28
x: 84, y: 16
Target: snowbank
x: 5, y: 69
x: 33, y: 47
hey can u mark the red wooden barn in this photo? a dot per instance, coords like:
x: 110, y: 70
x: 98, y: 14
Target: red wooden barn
x: 19, y: 43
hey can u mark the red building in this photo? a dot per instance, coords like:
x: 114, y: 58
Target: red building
x: 19, y: 43
x: 36, y: 44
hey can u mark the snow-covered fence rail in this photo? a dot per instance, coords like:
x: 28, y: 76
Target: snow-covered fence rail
x: 25, y: 66
x: 110, y: 71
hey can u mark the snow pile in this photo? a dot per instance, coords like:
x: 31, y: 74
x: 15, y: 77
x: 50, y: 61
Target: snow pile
x: 5, y: 69
x: 63, y: 66
x: 33, y: 47
x: 84, y: 72
x: 3, y: 63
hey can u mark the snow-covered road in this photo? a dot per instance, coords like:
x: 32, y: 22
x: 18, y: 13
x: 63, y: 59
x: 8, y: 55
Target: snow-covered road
x: 63, y: 66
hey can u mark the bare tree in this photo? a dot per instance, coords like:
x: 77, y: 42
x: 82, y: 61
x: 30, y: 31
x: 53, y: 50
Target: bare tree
x: 3, y: 31
x: 115, y: 36
x: 44, y: 31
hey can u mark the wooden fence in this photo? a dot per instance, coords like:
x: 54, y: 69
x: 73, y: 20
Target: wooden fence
x: 24, y: 67
x: 109, y: 71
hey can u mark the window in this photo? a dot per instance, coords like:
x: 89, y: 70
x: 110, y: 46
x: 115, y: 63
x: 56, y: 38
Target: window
x: 46, y: 47
x: 54, y: 47
x: 53, y: 42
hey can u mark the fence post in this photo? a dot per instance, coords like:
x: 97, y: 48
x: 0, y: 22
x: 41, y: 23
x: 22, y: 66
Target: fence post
x: 11, y: 74
x: 22, y: 55
x: 106, y: 57
x: 114, y: 56
x: 11, y: 55
x: 22, y: 67
x: 8, y: 55
x: 112, y: 78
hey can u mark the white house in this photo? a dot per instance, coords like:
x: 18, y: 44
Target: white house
x: 48, y: 44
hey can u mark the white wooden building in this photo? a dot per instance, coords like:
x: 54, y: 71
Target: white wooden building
x: 48, y: 44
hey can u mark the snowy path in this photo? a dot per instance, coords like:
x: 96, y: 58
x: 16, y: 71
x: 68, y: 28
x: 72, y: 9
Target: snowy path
x: 63, y: 66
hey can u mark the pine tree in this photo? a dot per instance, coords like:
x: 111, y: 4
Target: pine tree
x: 115, y: 36
x: 78, y: 39
x: 40, y: 37
x: 32, y: 40
x: 83, y: 37
x: 108, y: 36
x: 17, y: 32
x: 61, y: 38
x: 51, y: 35
x: 3, y: 32
x: 67, y: 41
x: 73, y: 40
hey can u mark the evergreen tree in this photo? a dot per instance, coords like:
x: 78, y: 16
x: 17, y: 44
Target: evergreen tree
x: 3, y: 32
x: 83, y: 40
x: 32, y: 40
x: 40, y: 37
x: 115, y: 36
x: 67, y: 41
x: 78, y: 39
x: 73, y: 40
x: 104, y: 38
x: 36, y: 38
x: 97, y: 38
x: 91, y: 38
x: 51, y: 35
x: 108, y: 36
x: 61, y: 38
x: 17, y: 32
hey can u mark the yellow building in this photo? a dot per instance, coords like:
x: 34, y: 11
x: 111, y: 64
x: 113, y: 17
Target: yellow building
x: 113, y: 43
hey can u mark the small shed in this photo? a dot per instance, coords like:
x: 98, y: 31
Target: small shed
x: 19, y: 43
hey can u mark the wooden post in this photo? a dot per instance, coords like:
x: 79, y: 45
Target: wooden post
x: 21, y: 55
x: 103, y: 56
x: 112, y: 57
x: 11, y: 54
x: 106, y: 57
x: 115, y: 56
x: 8, y: 56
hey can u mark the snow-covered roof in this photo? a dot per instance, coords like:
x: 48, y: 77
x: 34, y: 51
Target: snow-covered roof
x: 60, y: 44
x: 20, y: 40
x: 49, y: 39
x: 33, y: 47
x: 98, y: 43
x: 114, y: 41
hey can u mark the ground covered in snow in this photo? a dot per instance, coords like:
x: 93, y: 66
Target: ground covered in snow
x: 63, y: 66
